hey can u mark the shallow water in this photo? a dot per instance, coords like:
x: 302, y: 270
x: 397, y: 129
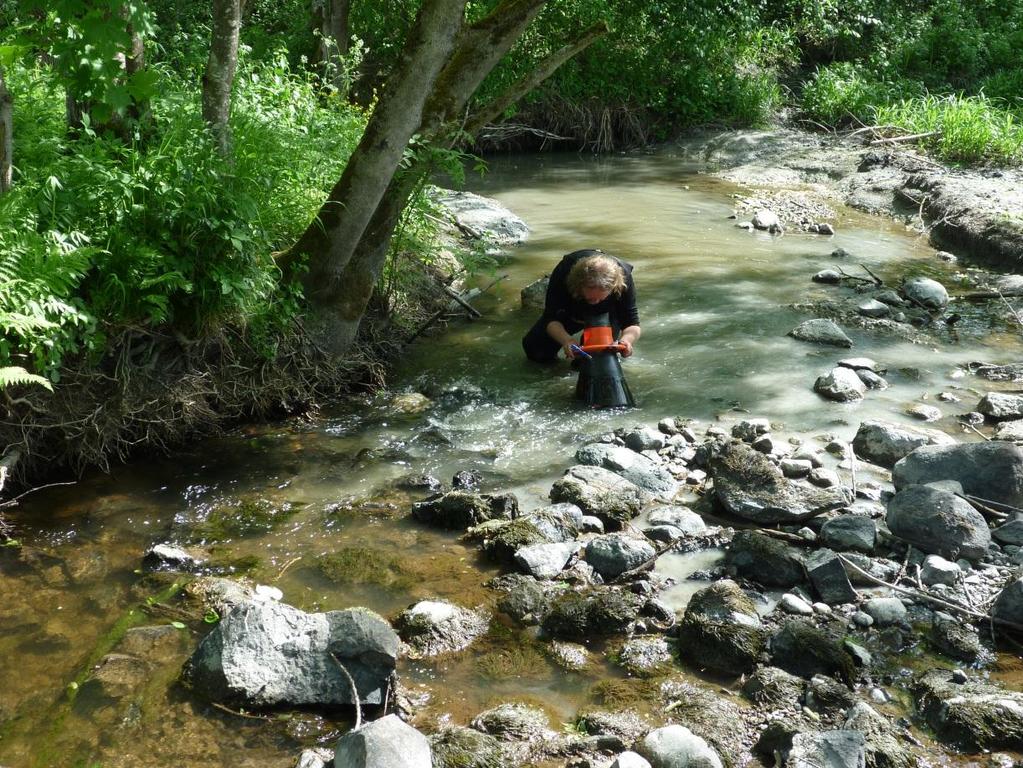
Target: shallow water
x: 713, y: 304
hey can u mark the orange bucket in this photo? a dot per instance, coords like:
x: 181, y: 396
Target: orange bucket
x: 597, y: 336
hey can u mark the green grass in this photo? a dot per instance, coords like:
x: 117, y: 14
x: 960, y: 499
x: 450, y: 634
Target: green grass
x: 968, y: 129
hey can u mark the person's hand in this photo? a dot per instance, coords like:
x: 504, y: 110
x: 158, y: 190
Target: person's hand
x: 567, y: 349
x: 626, y: 350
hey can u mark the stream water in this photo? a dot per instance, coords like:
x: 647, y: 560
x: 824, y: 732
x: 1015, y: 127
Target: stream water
x: 318, y: 508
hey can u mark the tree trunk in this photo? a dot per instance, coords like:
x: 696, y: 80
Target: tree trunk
x: 332, y: 22
x: 135, y: 61
x: 6, y: 134
x: 330, y: 240
x: 220, y: 69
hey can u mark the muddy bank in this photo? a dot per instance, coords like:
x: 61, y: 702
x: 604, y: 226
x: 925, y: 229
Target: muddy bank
x: 978, y: 212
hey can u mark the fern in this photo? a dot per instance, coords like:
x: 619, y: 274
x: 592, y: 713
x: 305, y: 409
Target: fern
x: 13, y: 376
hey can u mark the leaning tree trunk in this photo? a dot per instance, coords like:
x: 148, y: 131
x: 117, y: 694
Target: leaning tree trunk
x: 220, y: 69
x: 6, y: 134
x: 473, y: 61
x: 332, y: 22
x: 330, y: 240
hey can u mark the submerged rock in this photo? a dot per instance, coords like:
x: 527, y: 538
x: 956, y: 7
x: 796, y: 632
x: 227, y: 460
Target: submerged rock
x: 821, y: 331
x: 270, y: 654
x: 433, y: 627
x: 973, y: 715
x: 721, y: 630
x: 459, y: 747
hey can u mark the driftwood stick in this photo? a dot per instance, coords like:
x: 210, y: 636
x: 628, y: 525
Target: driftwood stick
x: 473, y: 312
x: 355, y: 692
x: 911, y: 137
x: 1011, y: 308
x: 918, y: 595
x: 877, y: 280
x: 985, y: 510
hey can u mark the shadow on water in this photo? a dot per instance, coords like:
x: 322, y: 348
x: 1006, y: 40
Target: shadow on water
x: 320, y: 509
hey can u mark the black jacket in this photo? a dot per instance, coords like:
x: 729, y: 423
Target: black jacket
x: 571, y: 312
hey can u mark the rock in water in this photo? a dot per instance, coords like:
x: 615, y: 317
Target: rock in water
x: 821, y: 331
x: 384, y: 743
x: 938, y: 523
x: 992, y: 471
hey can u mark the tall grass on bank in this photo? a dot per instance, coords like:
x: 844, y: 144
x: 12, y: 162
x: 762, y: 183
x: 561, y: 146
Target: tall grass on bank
x: 967, y: 129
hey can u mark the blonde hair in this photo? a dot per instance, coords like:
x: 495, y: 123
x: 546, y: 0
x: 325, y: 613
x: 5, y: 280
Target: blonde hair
x: 597, y: 271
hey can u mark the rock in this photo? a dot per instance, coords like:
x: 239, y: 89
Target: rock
x: 534, y: 295
x: 955, y: 639
x: 795, y: 468
x: 829, y: 579
x: 571, y: 656
x: 630, y: 760
x: 749, y: 486
x: 884, y: 745
x: 706, y: 713
x: 465, y: 748
x: 923, y: 412
x: 891, y: 298
x: 170, y: 557
x: 512, y: 722
x: 601, y: 493
x: 644, y: 439
x: 938, y: 523
x: 643, y: 656
x: 824, y: 228
x: 749, y: 430
x: 802, y: 649
x: 765, y: 219
x: 973, y: 716
x: 824, y: 478
x: 384, y: 743
x: 458, y: 510
x: 794, y: 604
x: 826, y: 695
x: 774, y: 688
x: 827, y: 749
x: 410, y: 403
x: 841, y: 385
x: 270, y: 654
x: 466, y: 480
x: 678, y: 517
x: 433, y: 627
x: 845, y: 532
x: 1011, y: 431
x: 938, y: 570
x: 627, y: 725
x: 596, y: 612
x: 874, y: 308
x: 525, y: 600
x: 998, y: 406
x: 828, y: 276
x: 675, y: 746
x: 502, y: 539
x: 925, y: 292
x: 885, y: 611
x: 878, y: 567
x: 545, y: 561
x: 821, y: 331
x: 613, y: 554
x: 756, y: 556
x: 721, y: 630
x: 1009, y: 603
x: 482, y: 217
x: 883, y: 443
x: 989, y: 470
x: 634, y: 467
x: 871, y: 380
x: 1011, y: 531
x: 317, y: 757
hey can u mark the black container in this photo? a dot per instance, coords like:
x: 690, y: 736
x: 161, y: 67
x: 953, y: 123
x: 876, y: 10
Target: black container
x: 602, y: 383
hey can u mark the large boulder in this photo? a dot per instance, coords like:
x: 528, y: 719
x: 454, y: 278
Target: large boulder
x: 721, y: 630
x: 601, y: 493
x: 749, y: 486
x: 596, y: 612
x: 384, y: 743
x: 884, y: 443
x: 675, y: 746
x: 268, y: 654
x: 841, y: 385
x: 463, y: 509
x: 634, y: 467
x: 974, y: 715
x: 992, y: 471
x: 1001, y: 405
x: 1009, y: 603
x: 765, y: 560
x: 926, y: 292
x: 938, y: 523
x: 482, y: 217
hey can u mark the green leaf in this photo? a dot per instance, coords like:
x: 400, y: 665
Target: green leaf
x: 14, y: 375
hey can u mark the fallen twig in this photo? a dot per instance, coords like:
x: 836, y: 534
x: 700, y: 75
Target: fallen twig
x: 287, y: 565
x: 965, y: 424
x: 898, y: 139
x: 355, y: 692
x: 238, y: 713
x: 14, y: 502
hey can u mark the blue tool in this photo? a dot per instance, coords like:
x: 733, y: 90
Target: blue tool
x: 580, y: 351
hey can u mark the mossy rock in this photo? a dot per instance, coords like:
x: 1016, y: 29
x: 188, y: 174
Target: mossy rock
x: 709, y: 715
x: 244, y: 518
x: 502, y: 541
x: 593, y: 613
x: 455, y: 510
x: 459, y: 747
x: 613, y: 693
x: 721, y: 631
x: 804, y: 650
x: 972, y: 716
x: 774, y: 688
x: 363, y: 565
x: 765, y: 560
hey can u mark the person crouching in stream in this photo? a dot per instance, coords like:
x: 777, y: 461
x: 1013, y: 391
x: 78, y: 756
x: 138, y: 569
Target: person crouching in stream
x: 585, y: 284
